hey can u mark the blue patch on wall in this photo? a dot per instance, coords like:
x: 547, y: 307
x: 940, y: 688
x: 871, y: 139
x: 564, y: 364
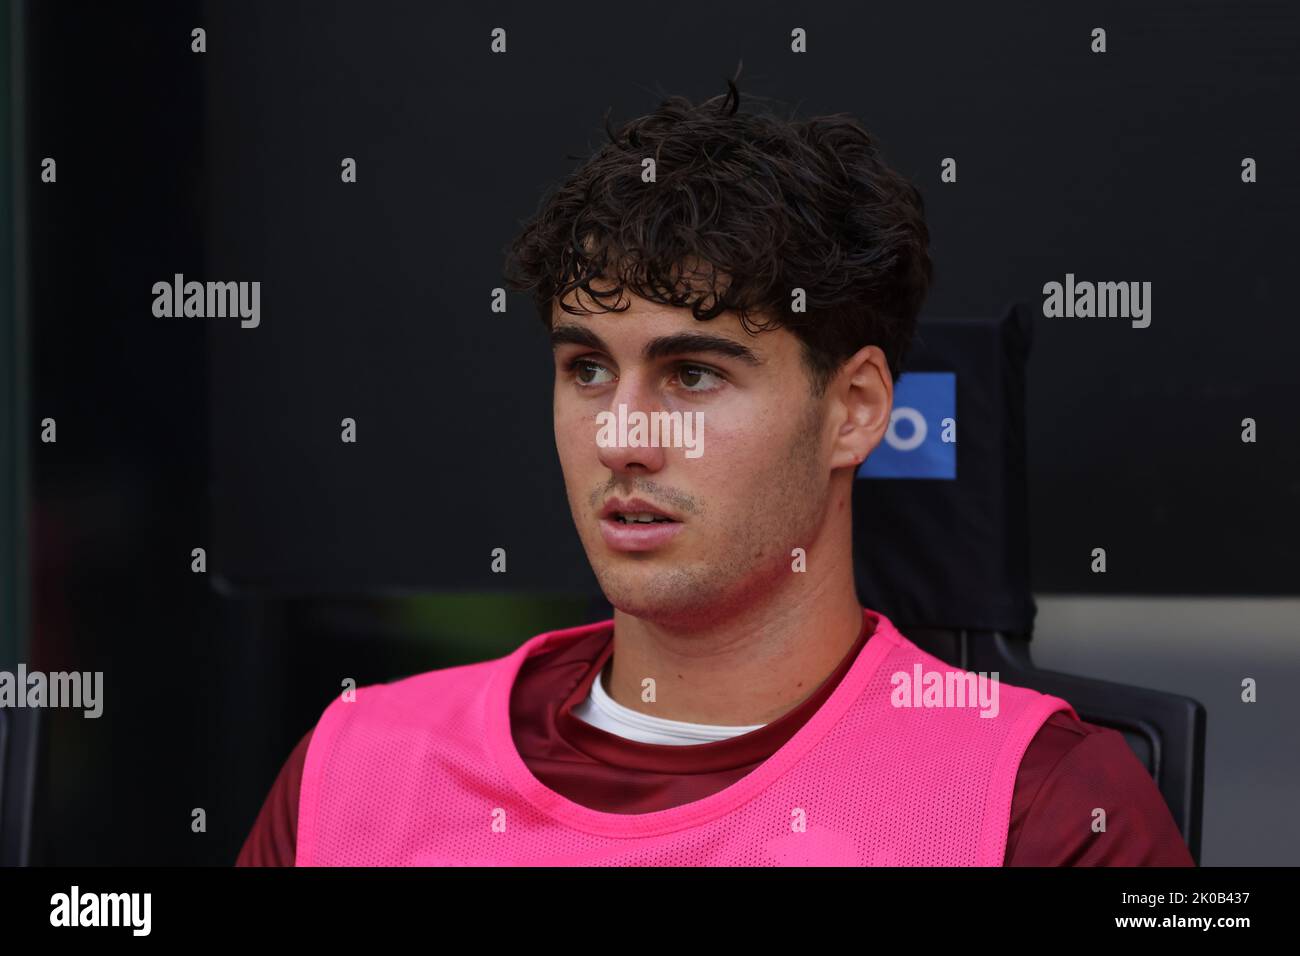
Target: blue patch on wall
x: 914, y: 446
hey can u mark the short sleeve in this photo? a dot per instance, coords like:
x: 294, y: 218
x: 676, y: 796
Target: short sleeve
x: 1063, y: 825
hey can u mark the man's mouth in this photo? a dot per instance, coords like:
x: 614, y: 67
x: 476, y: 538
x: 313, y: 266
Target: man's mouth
x: 639, y: 517
x: 636, y: 525
x: 634, y: 511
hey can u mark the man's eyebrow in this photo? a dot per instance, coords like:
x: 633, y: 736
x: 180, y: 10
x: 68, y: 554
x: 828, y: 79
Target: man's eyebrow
x: 678, y: 344
x: 577, y: 335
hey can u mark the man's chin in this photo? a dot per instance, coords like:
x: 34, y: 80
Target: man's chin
x: 672, y: 597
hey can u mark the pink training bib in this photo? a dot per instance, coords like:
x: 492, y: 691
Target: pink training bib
x: 894, y: 769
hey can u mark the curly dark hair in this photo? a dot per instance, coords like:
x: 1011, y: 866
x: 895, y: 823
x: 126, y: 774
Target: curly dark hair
x: 764, y: 205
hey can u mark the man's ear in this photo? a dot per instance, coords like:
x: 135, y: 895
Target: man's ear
x: 863, y: 391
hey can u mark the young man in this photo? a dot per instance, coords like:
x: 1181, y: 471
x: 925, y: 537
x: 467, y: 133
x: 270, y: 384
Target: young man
x: 759, y: 278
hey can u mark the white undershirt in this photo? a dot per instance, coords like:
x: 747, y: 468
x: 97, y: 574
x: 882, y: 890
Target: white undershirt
x: 602, y: 711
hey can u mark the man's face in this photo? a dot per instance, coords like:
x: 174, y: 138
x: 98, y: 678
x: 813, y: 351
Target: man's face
x: 758, y: 489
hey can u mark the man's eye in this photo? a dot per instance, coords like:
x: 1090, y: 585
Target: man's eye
x: 585, y: 371
x: 697, y: 378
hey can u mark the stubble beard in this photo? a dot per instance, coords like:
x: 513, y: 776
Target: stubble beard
x: 754, y: 565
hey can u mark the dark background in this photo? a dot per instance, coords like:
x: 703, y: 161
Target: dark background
x: 371, y: 561
x: 1122, y: 166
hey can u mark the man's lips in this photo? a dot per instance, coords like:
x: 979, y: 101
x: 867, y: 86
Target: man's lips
x: 626, y: 535
x: 631, y: 506
x: 637, y: 537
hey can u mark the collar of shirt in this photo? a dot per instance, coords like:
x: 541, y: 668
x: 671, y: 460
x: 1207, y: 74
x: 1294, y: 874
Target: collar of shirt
x: 601, y: 710
x: 738, y: 751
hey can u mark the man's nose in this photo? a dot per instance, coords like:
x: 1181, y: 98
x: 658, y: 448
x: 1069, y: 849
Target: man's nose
x: 631, y: 407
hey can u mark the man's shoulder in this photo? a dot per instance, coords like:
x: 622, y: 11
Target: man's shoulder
x: 1085, y: 799
x: 424, y: 696
x: 1010, y: 691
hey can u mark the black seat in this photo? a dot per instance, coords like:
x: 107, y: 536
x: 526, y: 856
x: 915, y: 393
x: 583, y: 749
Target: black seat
x: 947, y: 559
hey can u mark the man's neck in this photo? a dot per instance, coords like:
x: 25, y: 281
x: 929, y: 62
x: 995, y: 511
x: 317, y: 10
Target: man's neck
x: 751, y: 668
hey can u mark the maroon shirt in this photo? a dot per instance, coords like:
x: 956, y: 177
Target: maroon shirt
x: 1069, y: 768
